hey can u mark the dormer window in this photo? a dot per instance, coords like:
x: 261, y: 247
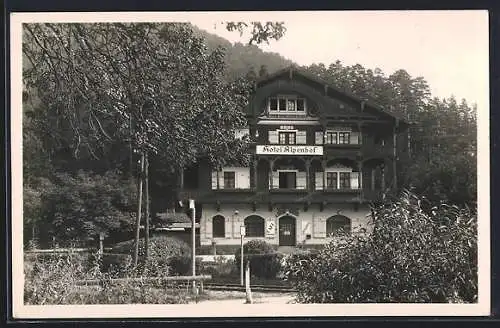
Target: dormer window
x: 287, y: 104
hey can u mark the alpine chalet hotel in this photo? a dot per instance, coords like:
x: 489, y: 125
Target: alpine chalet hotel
x: 319, y: 158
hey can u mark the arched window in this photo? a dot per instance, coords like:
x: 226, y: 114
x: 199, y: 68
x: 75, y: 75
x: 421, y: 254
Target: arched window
x: 219, y: 226
x: 338, y: 225
x: 254, y: 226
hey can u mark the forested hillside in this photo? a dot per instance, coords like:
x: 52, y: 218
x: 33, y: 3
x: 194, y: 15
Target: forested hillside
x: 241, y: 58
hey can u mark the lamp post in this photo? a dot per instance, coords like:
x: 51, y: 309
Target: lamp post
x: 242, y: 234
x: 193, y: 236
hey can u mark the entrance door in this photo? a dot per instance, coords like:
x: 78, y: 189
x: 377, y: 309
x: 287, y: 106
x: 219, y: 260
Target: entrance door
x: 287, y: 180
x: 287, y: 231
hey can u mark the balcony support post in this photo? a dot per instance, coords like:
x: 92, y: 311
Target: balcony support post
x: 181, y: 178
x: 360, y: 124
x: 394, y: 155
x: 360, y: 177
x: 323, y: 165
x: 255, y: 162
x: 218, y: 184
x: 271, y: 170
x: 308, y: 174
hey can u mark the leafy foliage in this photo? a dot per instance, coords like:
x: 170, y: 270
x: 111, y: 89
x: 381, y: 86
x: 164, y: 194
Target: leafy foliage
x: 440, y: 144
x: 265, y: 262
x: 260, y: 32
x: 53, y: 280
x: 154, y: 85
x: 168, y: 255
x: 82, y: 206
x: 416, y: 253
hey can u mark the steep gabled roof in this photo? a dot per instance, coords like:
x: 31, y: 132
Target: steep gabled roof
x: 331, y: 90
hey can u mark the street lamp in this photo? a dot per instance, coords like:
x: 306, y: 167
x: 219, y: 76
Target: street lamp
x: 242, y: 234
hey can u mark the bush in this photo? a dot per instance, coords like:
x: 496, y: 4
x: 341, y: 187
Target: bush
x: 412, y: 256
x: 221, y: 267
x: 54, y: 280
x: 167, y: 255
x: 50, y: 278
x: 264, y: 261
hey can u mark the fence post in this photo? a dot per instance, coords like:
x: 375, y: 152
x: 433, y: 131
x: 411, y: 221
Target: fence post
x: 248, y: 291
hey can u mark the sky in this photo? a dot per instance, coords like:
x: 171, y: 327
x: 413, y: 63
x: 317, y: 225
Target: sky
x: 450, y: 49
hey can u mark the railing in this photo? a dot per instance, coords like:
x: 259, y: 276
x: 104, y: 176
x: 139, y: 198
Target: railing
x: 341, y: 190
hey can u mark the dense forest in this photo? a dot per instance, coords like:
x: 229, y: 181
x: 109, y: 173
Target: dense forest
x: 74, y: 192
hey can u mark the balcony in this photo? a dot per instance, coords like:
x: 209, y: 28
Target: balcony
x: 374, y: 151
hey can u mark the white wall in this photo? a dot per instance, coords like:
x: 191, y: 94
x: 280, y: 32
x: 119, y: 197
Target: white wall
x: 311, y: 222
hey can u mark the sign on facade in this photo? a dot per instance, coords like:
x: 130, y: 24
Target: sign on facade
x: 243, y: 231
x: 289, y: 150
x: 270, y: 227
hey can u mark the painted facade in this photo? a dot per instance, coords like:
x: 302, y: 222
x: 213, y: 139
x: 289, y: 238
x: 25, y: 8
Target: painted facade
x: 320, y: 157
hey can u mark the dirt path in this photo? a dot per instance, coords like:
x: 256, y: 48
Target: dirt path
x: 230, y: 298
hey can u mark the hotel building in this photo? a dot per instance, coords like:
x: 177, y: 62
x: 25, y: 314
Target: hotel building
x: 320, y: 157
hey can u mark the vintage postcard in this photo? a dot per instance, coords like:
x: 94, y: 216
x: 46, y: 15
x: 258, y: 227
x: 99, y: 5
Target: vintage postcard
x: 243, y: 164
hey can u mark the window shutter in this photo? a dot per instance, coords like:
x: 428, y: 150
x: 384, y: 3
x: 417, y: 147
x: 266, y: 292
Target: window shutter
x: 276, y: 179
x: 243, y: 178
x: 214, y: 179
x: 319, y: 180
x: 354, y: 180
x: 227, y: 227
x: 301, y: 137
x: 355, y: 138
x: 221, y: 179
x: 301, y: 180
x: 273, y: 137
x: 208, y: 228
x: 237, y: 222
x: 319, y: 137
x: 319, y: 227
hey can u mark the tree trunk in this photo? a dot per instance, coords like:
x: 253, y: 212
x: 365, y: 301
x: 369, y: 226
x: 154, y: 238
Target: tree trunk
x: 139, y: 212
x: 146, y: 226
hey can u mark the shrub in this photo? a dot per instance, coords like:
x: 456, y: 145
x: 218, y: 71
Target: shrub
x: 411, y: 256
x: 167, y: 255
x: 265, y: 262
x: 219, y: 268
x: 50, y: 278
x: 54, y: 280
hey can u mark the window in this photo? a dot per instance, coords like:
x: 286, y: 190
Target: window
x: 287, y: 180
x: 282, y: 104
x: 331, y: 137
x: 219, y: 226
x: 273, y: 104
x: 331, y: 180
x: 338, y: 225
x: 344, y: 138
x: 301, y: 104
x: 345, y: 180
x: 254, y: 226
x: 229, y: 180
x: 337, y: 137
x: 287, y: 138
x: 287, y: 104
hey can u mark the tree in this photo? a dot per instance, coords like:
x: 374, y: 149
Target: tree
x: 154, y: 86
x: 85, y: 205
x: 260, y: 32
x: 416, y: 253
x: 442, y: 141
